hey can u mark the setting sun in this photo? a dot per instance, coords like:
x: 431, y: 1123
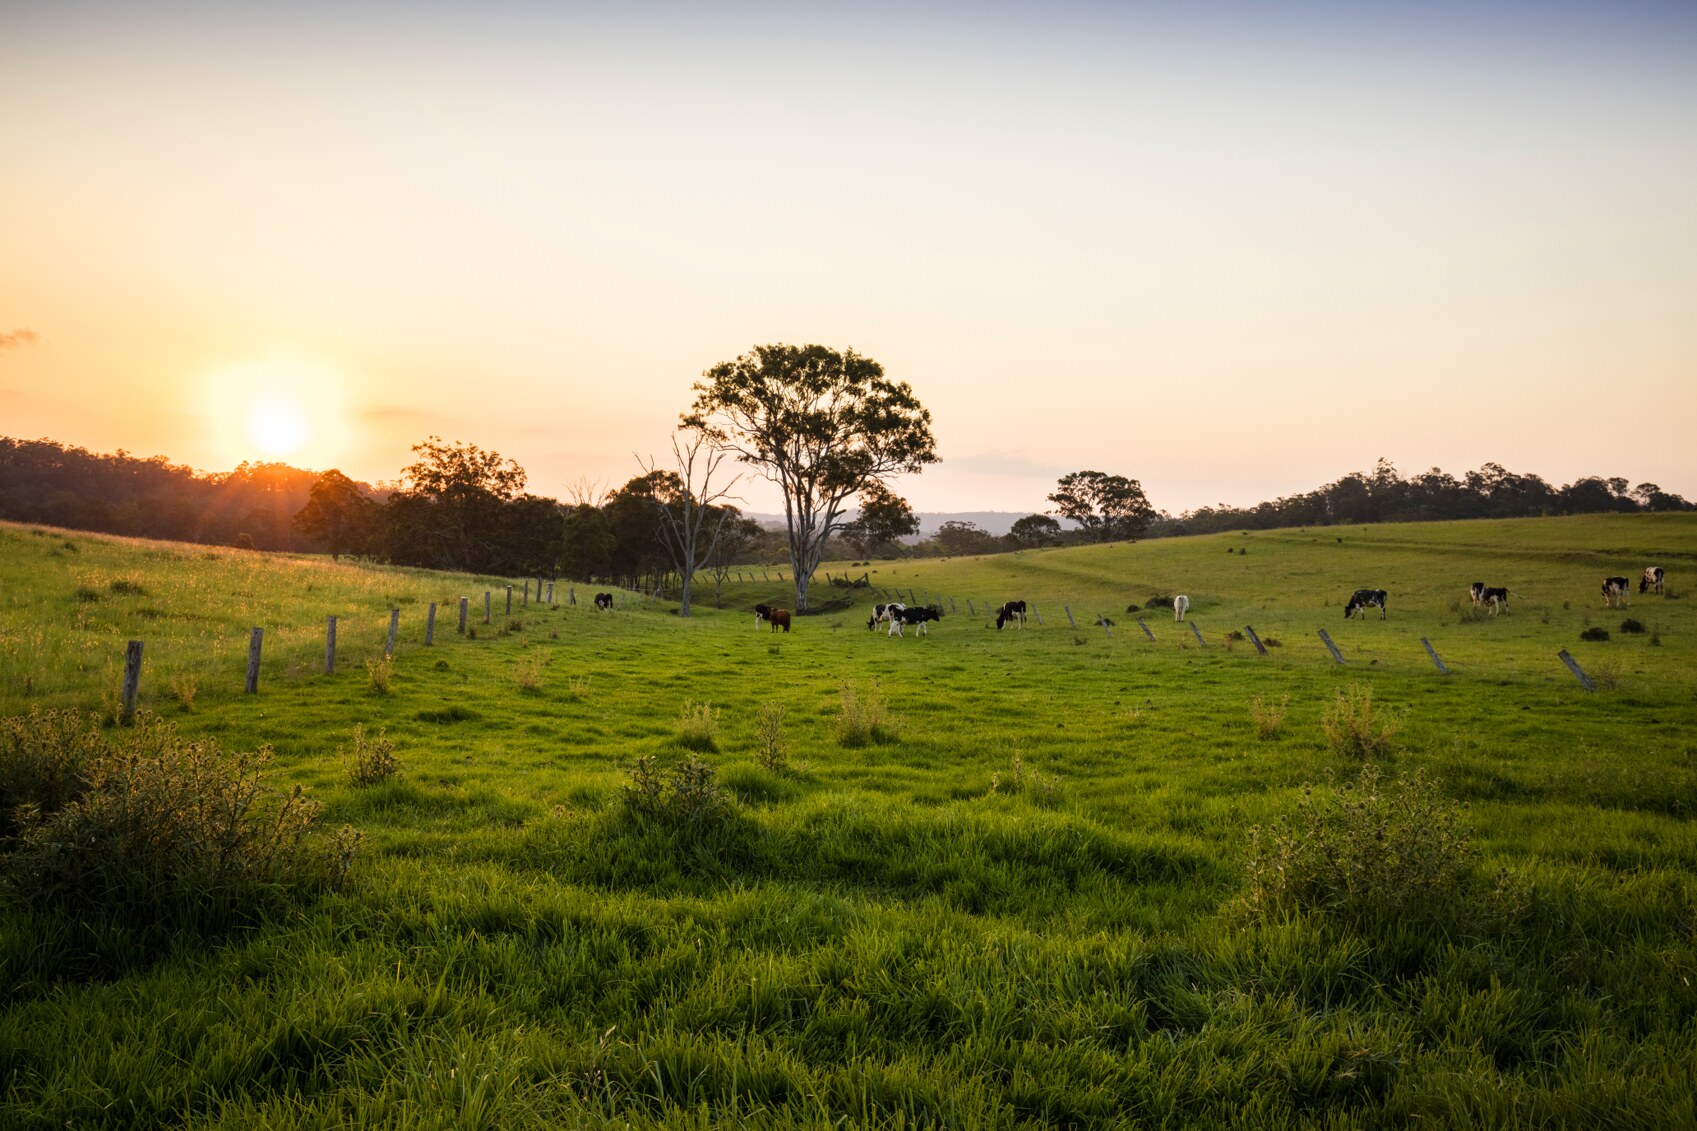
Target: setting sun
x: 277, y: 426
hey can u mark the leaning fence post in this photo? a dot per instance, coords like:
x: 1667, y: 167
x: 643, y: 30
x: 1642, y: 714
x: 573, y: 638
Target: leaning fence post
x: 1326, y: 637
x: 430, y: 625
x: 1255, y: 640
x: 330, y: 645
x: 1106, y: 627
x: 970, y: 611
x: 464, y: 603
x: 1036, y: 614
x: 1578, y: 672
x: 132, y: 679
x: 1430, y: 652
x: 394, y: 628
x: 1199, y: 640
x: 1145, y: 628
x: 1070, y: 621
x: 952, y: 608
x: 253, y: 646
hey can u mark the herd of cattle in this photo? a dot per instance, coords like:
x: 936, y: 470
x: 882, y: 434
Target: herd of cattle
x: 899, y: 616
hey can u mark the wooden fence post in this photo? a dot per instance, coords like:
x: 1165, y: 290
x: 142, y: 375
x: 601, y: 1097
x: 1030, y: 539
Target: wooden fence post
x: 1106, y: 627
x: 1432, y: 653
x: 1070, y: 621
x: 952, y: 608
x: 464, y: 603
x: 1145, y: 628
x: 430, y: 625
x: 526, y: 601
x: 1326, y: 638
x: 1199, y: 640
x: 509, y: 600
x: 132, y: 679
x: 1578, y: 672
x: 330, y: 645
x: 571, y: 594
x: 1255, y: 640
x: 487, y: 605
x: 970, y: 611
x: 550, y: 594
x: 1036, y: 614
x: 394, y: 628
x: 253, y: 646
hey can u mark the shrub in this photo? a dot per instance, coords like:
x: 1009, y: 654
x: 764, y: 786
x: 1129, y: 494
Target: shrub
x: 1268, y: 719
x: 1352, y: 727
x: 371, y: 761
x: 863, y: 717
x: 86, y: 595
x: 770, y: 747
x: 698, y: 727
x: 1153, y: 603
x: 378, y: 673
x: 183, y: 689
x: 123, y: 587
x: 684, y: 795
x: 1632, y: 627
x: 1373, y: 852
x: 1594, y: 634
x: 143, y: 823
x: 515, y: 625
x: 1606, y: 676
x: 529, y: 674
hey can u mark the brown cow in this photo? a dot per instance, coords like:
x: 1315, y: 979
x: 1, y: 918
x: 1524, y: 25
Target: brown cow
x: 779, y: 617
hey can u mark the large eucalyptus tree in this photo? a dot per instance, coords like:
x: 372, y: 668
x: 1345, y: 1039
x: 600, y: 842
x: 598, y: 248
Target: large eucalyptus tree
x: 822, y: 425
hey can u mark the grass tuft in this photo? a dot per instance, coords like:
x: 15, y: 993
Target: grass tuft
x: 1354, y: 728
x: 864, y: 717
x: 1268, y: 718
x: 370, y: 761
x: 698, y: 727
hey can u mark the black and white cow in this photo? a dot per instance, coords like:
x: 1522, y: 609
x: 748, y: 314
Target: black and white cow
x: 917, y: 617
x: 1496, y: 597
x: 1181, y: 605
x: 762, y: 613
x: 1476, y: 591
x: 1011, y: 610
x: 603, y: 600
x: 1616, y: 593
x: 882, y: 613
x: 1652, y: 579
x: 1364, y: 599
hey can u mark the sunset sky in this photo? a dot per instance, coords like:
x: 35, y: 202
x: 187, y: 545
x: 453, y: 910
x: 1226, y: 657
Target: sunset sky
x: 1231, y: 250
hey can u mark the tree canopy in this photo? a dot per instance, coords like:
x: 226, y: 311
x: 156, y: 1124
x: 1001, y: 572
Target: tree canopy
x: 821, y: 424
x: 1109, y: 508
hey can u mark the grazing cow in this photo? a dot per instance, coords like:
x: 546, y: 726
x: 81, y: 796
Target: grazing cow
x: 914, y: 617
x: 603, y: 600
x: 1364, y: 599
x: 1652, y: 579
x: 1011, y: 610
x: 1181, y: 605
x: 761, y: 612
x: 882, y: 613
x: 779, y: 618
x: 1476, y: 591
x: 1497, y: 598
x: 1616, y: 593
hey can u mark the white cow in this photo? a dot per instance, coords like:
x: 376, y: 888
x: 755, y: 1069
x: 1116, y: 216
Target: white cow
x: 1180, y: 604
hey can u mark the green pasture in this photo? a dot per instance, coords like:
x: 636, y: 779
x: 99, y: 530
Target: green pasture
x: 1015, y: 901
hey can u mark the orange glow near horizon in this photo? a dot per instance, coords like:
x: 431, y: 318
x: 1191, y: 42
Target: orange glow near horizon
x: 277, y: 410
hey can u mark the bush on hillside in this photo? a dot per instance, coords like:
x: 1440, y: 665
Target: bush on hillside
x: 1632, y: 627
x: 684, y: 795
x: 1370, y: 852
x: 146, y: 824
x: 1594, y: 635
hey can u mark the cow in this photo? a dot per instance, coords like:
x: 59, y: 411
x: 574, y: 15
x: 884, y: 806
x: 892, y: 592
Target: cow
x: 603, y: 600
x: 1497, y: 598
x: 1477, y: 592
x: 1616, y: 593
x: 779, y: 618
x: 1364, y: 599
x: 761, y: 612
x: 1181, y: 605
x: 1652, y: 579
x: 1011, y: 610
x: 882, y: 613
x: 914, y: 617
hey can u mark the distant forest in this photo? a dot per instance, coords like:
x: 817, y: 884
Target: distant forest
x: 459, y: 507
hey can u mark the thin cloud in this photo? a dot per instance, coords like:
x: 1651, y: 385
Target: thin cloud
x: 18, y: 339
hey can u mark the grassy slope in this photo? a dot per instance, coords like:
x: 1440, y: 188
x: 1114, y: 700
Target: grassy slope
x: 1019, y: 909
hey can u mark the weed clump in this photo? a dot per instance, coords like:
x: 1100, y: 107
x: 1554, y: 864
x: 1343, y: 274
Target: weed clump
x: 145, y: 824
x: 184, y: 688
x: 1373, y: 852
x: 371, y: 761
x: 682, y: 796
x: 123, y: 587
x: 1353, y: 728
x: 864, y: 717
x: 378, y: 674
x: 770, y: 746
x: 86, y: 595
x: 529, y: 674
x: 698, y: 727
x: 1042, y: 789
x: 1594, y: 635
x: 1153, y: 603
x: 1268, y: 718
x: 1632, y: 627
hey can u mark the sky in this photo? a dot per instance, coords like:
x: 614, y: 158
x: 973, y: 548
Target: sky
x: 1233, y: 251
